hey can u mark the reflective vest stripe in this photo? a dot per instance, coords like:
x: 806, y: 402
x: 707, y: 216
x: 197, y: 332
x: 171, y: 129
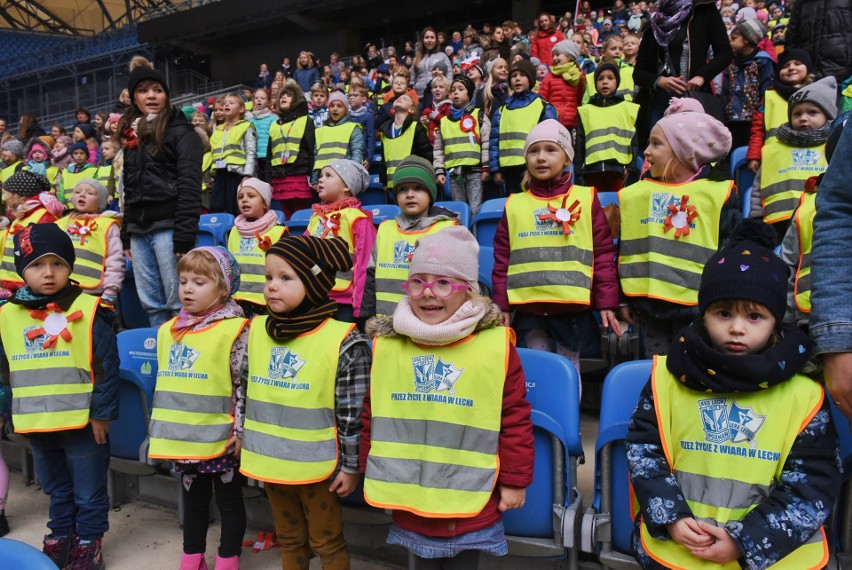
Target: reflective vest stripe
x: 804, y: 221
x: 458, y: 150
x: 431, y: 474
x: 774, y: 114
x: 292, y: 417
x: 554, y: 278
x: 783, y: 197
x: 396, y: 149
x: 333, y: 143
x: 348, y: 216
x: 688, y: 251
x: 72, y: 402
x: 437, y: 433
x: 610, y: 131
x: 7, y: 266
x: 679, y: 278
x: 288, y: 449
x: 63, y: 375
x: 783, y: 173
x: 226, y: 145
x: 612, y: 142
x: 210, y: 434
x: 719, y: 490
x: 515, y: 124
x: 198, y: 403
x: 252, y: 260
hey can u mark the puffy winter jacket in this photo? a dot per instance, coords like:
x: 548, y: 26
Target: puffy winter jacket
x: 564, y: 97
x: 824, y: 29
x: 543, y: 43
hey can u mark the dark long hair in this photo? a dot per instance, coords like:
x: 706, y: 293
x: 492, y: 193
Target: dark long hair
x: 148, y: 133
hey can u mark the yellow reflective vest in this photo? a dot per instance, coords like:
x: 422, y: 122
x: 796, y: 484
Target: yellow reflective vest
x: 68, y: 181
x: 393, y: 259
x: 89, y: 236
x: 337, y: 224
x: 515, y: 125
x: 252, y: 260
x: 396, y: 149
x: 191, y: 417
x: 545, y: 264
x: 285, y: 140
x: 333, y: 142
x: 609, y: 132
x: 626, y: 85
x: 461, y: 148
x: 226, y: 144
x: 655, y: 263
x: 52, y: 174
x: 804, y: 221
x: 710, y: 438
x: 774, y: 115
x: 10, y: 170
x: 51, y: 383
x: 290, y: 433
x: 435, y: 424
x: 783, y: 172
x: 7, y: 266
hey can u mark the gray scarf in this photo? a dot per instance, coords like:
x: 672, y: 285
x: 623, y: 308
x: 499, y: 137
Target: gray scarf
x: 813, y: 137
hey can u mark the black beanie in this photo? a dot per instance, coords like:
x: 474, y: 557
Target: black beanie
x: 747, y: 268
x: 37, y: 240
x: 316, y: 260
x: 613, y: 68
x: 466, y: 81
x: 27, y: 184
x: 526, y: 67
x: 144, y: 73
x: 797, y: 54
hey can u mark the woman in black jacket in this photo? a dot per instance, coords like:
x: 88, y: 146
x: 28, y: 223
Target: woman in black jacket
x: 162, y: 190
x: 823, y: 28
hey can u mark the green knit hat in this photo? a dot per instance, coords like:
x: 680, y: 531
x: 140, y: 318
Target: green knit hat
x: 417, y: 170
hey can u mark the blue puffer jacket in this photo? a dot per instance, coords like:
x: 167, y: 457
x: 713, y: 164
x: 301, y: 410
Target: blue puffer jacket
x: 513, y: 102
x: 261, y: 125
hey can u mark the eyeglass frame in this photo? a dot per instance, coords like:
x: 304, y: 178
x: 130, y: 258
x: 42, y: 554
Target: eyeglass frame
x: 428, y: 284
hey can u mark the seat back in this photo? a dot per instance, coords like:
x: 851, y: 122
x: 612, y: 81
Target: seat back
x: 607, y: 198
x: 461, y: 208
x: 382, y: 212
x: 373, y: 196
x: 212, y: 228
x: 743, y: 177
x: 137, y: 351
x: 484, y: 224
x: 299, y: 221
x: 133, y: 316
x: 486, y: 267
x: 281, y: 217
x: 15, y: 554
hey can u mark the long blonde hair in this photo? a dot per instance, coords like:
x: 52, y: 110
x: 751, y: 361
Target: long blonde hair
x: 487, y: 95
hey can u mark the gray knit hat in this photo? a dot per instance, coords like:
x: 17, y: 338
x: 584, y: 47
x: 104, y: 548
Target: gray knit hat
x: 14, y: 146
x: 103, y: 193
x: 353, y: 174
x: 822, y: 93
x: 753, y: 30
x: 568, y: 48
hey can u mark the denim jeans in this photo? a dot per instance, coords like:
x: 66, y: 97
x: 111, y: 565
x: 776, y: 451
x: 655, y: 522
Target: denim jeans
x: 155, y: 272
x: 72, y: 469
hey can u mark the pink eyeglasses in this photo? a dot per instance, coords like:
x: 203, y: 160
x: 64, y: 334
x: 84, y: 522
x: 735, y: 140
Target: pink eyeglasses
x: 441, y: 288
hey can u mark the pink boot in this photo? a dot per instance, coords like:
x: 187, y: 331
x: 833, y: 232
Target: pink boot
x: 192, y: 562
x: 230, y: 563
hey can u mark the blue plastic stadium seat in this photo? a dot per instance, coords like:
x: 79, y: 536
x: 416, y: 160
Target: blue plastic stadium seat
x: 281, y: 217
x: 213, y: 229
x: 16, y: 554
x: 548, y: 522
x: 485, y: 223
x: 373, y: 195
x: 743, y: 177
x: 137, y: 351
x: 486, y: 267
x: 133, y: 316
x: 298, y: 222
x: 382, y: 212
x: 461, y: 208
x: 376, y: 182
x: 607, y: 198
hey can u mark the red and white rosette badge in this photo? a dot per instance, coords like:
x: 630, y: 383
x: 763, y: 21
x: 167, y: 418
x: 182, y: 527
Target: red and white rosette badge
x: 468, y: 125
x: 55, y: 325
x: 680, y: 217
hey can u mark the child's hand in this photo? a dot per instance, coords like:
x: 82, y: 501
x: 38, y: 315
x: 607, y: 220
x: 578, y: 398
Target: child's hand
x: 485, y: 176
x: 686, y: 531
x: 442, y: 179
x: 100, y: 429
x: 236, y: 445
x: 344, y: 484
x: 608, y: 320
x: 722, y: 551
x: 753, y: 165
x: 511, y: 498
x: 507, y: 318
x: 627, y: 314
x: 128, y: 255
x: 498, y: 178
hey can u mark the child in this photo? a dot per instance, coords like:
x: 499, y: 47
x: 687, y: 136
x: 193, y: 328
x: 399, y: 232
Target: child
x: 96, y: 236
x: 66, y: 401
x: 11, y: 154
x: 554, y: 259
x: 361, y: 113
x: 672, y: 221
x: 291, y: 151
x: 606, y: 133
x: 796, y: 154
x: 403, y: 136
x: 745, y: 80
x: 38, y: 161
x: 206, y: 168
x: 262, y: 118
x: 340, y: 215
x: 795, y: 70
x: 565, y: 84
x: 415, y: 193
x: 438, y: 108
x: 199, y: 402
x: 85, y: 133
x: 461, y: 146
x: 234, y: 145
x: 255, y: 230
x: 510, y: 124
x: 318, y: 110
x: 442, y: 319
x: 107, y: 174
x: 340, y: 138
x: 399, y: 87
x: 61, y: 153
x: 612, y: 50
x: 496, y: 89
x: 304, y: 443
x: 732, y: 451
x: 79, y: 169
x: 631, y: 49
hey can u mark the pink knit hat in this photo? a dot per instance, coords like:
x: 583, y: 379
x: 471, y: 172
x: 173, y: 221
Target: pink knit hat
x: 451, y: 252
x: 551, y: 130
x: 262, y: 188
x: 338, y: 96
x: 696, y: 138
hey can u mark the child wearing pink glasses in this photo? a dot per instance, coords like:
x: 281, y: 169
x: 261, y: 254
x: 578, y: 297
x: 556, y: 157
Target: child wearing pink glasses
x: 446, y: 435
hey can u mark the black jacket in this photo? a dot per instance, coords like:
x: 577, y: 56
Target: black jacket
x: 162, y: 190
x: 305, y: 160
x: 824, y: 29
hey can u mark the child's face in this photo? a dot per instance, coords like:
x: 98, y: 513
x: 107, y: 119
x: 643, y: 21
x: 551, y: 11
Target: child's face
x: 778, y: 36
x: 546, y: 160
x: 439, y: 92
x: 336, y: 110
x: 285, y: 100
x: 541, y: 71
x: 85, y: 199
x: 151, y: 99
x: 605, y: 83
x: 232, y: 108
x: 658, y: 153
x: 55, y: 132
x: 198, y: 292
x: 199, y: 120
x: 261, y: 101
x: 631, y: 46
x: 78, y: 135
x: 330, y: 186
x: 47, y: 275
x: 742, y: 329
x: 284, y: 290
x: 459, y: 96
x: 614, y: 50
x: 58, y: 146
x: 500, y: 71
x: 11, y: 200
x: 413, y: 199
x: 793, y: 73
x: 437, y: 71
x: 107, y: 152
x: 356, y: 100
x: 80, y: 157
x: 806, y: 116
x: 519, y: 82
x: 319, y: 98
x: 218, y: 113
x: 38, y: 154
x: 432, y: 310
x: 250, y: 202
x: 399, y: 85
x: 739, y: 45
x: 473, y: 75
x: 7, y: 157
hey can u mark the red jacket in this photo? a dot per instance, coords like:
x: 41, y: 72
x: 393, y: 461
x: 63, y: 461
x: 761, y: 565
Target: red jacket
x: 515, y: 449
x: 605, y: 277
x: 564, y: 97
x: 755, y: 139
x: 542, y: 45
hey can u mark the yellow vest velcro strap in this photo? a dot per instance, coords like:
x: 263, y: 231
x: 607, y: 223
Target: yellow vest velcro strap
x: 662, y: 272
x: 436, y: 433
x: 609, y: 131
x: 431, y: 474
x: 552, y: 254
x: 676, y: 248
x: 278, y: 447
x: 57, y: 402
x: 731, y: 493
x: 292, y: 417
x: 57, y: 376
x: 192, y: 402
x: 179, y: 431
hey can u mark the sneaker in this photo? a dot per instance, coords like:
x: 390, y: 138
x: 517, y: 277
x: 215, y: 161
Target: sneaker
x: 4, y: 525
x: 57, y: 550
x: 86, y: 555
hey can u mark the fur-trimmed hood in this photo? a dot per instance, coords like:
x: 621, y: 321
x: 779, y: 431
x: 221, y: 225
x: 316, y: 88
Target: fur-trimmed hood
x: 382, y: 325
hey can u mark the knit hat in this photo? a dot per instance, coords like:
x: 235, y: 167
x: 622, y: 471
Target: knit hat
x: 67, y: 141
x: 607, y: 21
x: 144, y: 73
x: 227, y: 264
x: 353, y: 174
x: 752, y: 29
x: 451, y: 252
x: 316, y: 261
x: 40, y: 145
x: 696, y: 138
x: 37, y: 240
x: 261, y: 187
x: 524, y: 67
x: 78, y: 146
x: 746, y: 268
x: 489, y: 65
x: 418, y: 171
x: 822, y: 93
x: 27, y: 184
x: 613, y: 68
x: 790, y: 54
x: 48, y: 140
x: 746, y: 13
x: 553, y: 131
x: 188, y: 111
x: 383, y: 68
x: 14, y: 146
x: 466, y: 81
x: 568, y: 48
x: 87, y: 129
x: 103, y: 193
x: 338, y: 96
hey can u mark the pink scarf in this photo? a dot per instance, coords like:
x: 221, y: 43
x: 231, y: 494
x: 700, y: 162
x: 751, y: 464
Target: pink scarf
x: 259, y: 226
x: 187, y: 321
x: 459, y: 326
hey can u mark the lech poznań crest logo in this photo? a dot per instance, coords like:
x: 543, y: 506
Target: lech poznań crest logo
x: 721, y: 423
x: 660, y: 202
x: 182, y: 357
x: 431, y: 375
x: 805, y: 157
x: 402, y: 251
x: 36, y: 344
x: 247, y: 244
x: 284, y: 363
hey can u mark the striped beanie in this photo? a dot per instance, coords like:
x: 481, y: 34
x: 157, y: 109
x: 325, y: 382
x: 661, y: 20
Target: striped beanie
x: 416, y: 170
x: 753, y: 30
x: 316, y: 261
